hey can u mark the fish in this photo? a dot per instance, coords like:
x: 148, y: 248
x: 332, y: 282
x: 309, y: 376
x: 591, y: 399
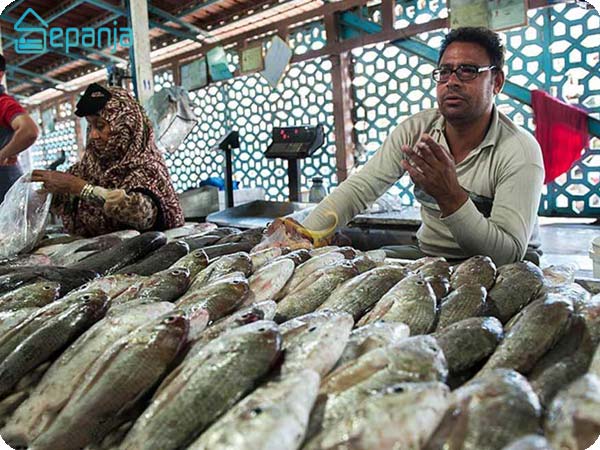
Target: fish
x: 216, y: 250
x: 371, y: 336
x: 573, y: 419
x: 418, y: 263
x: 320, y: 284
x: 564, y: 363
x: 401, y: 417
x: 253, y: 313
x: 53, y: 336
x: 201, y: 241
x: 411, y: 301
x: 48, y: 398
x: 266, y: 256
x: 415, y: 359
x: 114, y: 383
x: 128, y: 252
x: 558, y: 275
x: 516, y: 285
x: 303, y: 271
x: 113, y: 285
x: 488, y: 413
x: 68, y: 279
x: 274, y: 417
x: 468, y: 300
x: 9, y: 320
x: 437, y: 273
x: 160, y: 259
x: 269, y: 280
x: 218, y: 298
x: 165, y: 286
x: 223, y: 266
x: 29, y: 325
x: 189, y: 230
x: 357, y: 295
x: 363, y: 263
x: 469, y: 342
x: 195, y: 262
x: 529, y: 442
x: 478, y: 270
x: 30, y: 296
x: 532, y: 334
x: 207, y: 386
x: 315, y: 341
x: 299, y: 256
x: 26, y: 260
x: 251, y: 236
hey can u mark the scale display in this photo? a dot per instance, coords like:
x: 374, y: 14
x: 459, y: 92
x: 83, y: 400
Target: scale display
x: 295, y: 142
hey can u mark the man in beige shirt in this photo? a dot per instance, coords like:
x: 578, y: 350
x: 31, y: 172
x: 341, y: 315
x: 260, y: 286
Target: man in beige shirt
x: 477, y: 175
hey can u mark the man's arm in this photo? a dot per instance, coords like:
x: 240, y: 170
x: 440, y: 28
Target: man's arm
x: 26, y: 133
x: 505, y: 234
x: 360, y: 190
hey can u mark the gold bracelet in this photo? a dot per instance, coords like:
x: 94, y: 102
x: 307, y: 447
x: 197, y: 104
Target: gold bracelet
x: 86, y: 192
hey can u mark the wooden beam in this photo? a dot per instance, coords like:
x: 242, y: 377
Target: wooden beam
x: 314, y: 14
x: 338, y: 48
x: 388, y: 14
x: 342, y: 103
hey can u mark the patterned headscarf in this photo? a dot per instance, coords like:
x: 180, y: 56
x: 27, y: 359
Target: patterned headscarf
x: 129, y: 160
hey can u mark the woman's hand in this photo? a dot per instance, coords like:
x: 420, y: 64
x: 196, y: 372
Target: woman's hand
x: 58, y: 182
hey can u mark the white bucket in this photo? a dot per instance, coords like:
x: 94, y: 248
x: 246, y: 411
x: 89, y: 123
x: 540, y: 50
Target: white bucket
x: 595, y: 255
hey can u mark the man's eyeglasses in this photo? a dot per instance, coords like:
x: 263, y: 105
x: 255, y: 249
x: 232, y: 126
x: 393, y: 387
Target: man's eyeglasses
x: 464, y: 72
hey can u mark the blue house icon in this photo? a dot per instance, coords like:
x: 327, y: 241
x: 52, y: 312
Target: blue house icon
x: 32, y: 39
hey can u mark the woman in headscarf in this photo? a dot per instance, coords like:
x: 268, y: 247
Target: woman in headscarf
x: 122, y: 181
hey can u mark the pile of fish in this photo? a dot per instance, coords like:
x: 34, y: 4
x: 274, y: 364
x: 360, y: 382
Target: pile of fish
x: 190, y: 339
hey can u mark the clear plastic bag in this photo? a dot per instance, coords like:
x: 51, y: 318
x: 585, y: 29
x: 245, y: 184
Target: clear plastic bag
x: 23, y: 216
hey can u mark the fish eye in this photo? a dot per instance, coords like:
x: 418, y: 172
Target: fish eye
x: 47, y: 288
x: 256, y: 411
x: 261, y: 329
x: 420, y: 283
x: 398, y: 389
x: 311, y: 329
x: 86, y: 297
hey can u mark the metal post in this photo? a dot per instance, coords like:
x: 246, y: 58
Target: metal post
x: 229, y: 176
x: 294, y: 179
x: 141, y: 65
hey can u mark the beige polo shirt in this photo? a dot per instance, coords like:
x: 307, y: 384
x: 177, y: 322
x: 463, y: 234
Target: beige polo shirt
x: 503, y: 176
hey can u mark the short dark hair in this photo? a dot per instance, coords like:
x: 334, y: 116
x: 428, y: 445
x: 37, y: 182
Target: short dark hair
x: 2, y: 63
x: 485, y: 37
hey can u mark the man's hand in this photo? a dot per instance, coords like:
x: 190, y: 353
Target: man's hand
x: 58, y: 182
x: 434, y: 171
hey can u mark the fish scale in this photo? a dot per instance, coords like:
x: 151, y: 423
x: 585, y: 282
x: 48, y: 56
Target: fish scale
x: 411, y: 301
x: 49, y: 397
x: 468, y: 300
x: 358, y: 294
x: 322, y: 283
x: 114, y: 383
x: 51, y: 337
x: 208, y: 385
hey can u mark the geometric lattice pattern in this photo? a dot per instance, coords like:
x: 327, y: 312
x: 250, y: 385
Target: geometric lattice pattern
x: 49, y: 145
x: 388, y: 86
x: 251, y: 106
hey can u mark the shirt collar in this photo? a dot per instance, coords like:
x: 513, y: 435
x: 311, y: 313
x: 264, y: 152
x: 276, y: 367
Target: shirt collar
x: 490, y: 138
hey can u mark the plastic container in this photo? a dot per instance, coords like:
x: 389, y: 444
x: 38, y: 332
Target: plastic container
x: 595, y: 255
x: 317, y: 191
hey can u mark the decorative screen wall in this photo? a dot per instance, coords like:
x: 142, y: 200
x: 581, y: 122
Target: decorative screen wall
x: 251, y: 106
x: 56, y: 135
x: 388, y: 85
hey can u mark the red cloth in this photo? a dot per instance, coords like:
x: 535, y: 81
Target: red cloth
x: 9, y: 109
x: 562, y: 132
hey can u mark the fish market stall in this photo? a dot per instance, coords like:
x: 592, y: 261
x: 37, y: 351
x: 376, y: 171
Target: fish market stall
x: 204, y: 338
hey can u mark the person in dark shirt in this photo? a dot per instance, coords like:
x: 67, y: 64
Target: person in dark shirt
x: 18, y: 132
